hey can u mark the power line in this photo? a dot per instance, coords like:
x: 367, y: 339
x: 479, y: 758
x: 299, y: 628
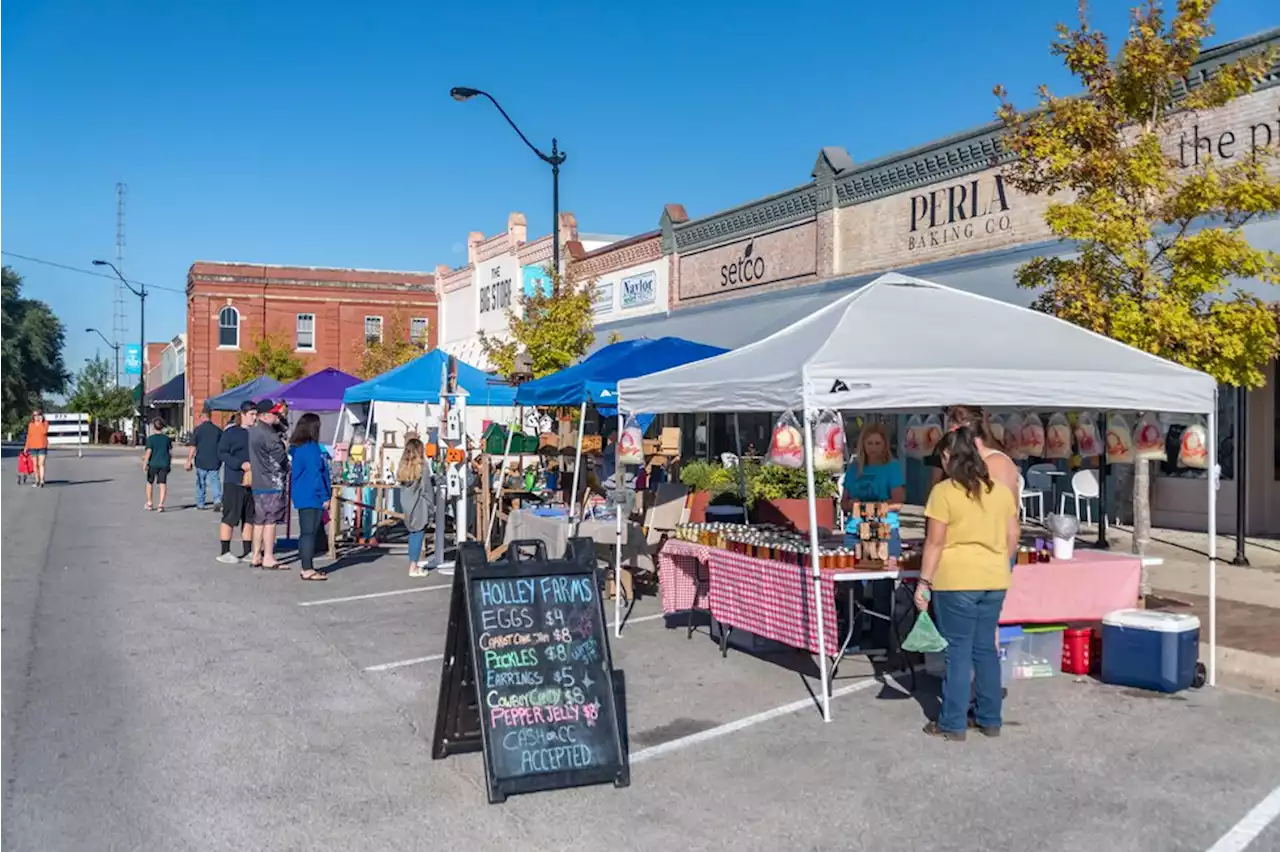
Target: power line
x: 83, y: 271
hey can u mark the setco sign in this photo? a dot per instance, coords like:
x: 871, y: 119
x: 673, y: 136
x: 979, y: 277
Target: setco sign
x: 770, y: 258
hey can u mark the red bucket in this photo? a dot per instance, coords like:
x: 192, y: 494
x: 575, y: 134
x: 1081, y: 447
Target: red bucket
x: 1076, y: 650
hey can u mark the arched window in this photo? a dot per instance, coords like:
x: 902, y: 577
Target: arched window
x: 229, y: 327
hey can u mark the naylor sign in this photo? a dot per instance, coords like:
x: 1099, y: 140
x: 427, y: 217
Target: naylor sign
x: 770, y: 258
x: 638, y: 290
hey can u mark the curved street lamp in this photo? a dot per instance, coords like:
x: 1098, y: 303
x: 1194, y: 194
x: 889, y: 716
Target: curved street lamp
x: 554, y: 159
x: 115, y: 347
x: 142, y: 333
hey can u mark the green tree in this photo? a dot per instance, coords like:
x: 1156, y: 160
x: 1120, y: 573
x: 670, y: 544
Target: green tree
x: 33, y: 340
x: 395, y: 347
x: 556, y: 328
x: 1158, y: 241
x: 96, y: 394
x: 272, y: 356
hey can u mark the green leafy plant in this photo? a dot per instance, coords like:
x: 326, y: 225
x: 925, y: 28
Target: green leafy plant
x: 555, y: 328
x: 708, y: 476
x: 771, y: 483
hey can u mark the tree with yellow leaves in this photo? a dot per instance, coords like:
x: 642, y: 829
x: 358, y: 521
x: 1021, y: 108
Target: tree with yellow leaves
x: 1158, y: 241
x: 555, y: 327
x: 395, y: 346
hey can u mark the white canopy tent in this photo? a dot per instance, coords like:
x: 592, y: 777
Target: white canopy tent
x: 902, y: 343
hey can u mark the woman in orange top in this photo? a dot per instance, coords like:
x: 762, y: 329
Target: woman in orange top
x: 38, y: 444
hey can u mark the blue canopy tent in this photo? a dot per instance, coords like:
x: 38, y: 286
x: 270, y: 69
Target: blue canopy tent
x: 595, y: 380
x: 230, y: 400
x: 419, y: 381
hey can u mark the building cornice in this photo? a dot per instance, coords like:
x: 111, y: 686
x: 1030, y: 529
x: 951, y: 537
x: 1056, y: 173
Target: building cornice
x: 628, y: 253
x: 983, y: 147
x: 793, y: 205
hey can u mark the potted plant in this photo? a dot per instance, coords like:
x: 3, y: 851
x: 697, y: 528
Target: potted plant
x: 705, y: 481
x: 779, y: 495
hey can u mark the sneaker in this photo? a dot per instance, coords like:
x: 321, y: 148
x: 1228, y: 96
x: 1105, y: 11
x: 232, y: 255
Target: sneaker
x: 416, y: 571
x: 229, y: 559
x: 217, y: 507
x: 445, y: 571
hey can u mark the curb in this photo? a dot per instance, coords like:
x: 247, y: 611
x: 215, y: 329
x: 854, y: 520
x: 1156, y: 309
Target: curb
x: 1247, y: 664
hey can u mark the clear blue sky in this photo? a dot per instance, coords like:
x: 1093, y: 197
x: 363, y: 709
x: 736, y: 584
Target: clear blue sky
x: 313, y: 133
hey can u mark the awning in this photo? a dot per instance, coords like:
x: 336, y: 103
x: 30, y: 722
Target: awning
x: 172, y: 392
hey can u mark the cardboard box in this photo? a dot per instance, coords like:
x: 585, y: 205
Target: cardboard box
x: 628, y: 587
x: 669, y: 442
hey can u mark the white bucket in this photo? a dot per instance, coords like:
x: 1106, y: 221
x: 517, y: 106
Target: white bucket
x: 1063, y: 547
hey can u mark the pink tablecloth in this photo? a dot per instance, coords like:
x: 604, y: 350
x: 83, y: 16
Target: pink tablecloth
x: 1084, y: 588
x: 771, y: 599
x: 683, y: 575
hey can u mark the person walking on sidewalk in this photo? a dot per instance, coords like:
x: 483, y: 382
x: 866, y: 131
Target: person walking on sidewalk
x: 269, y: 463
x: 203, y: 454
x: 156, y: 461
x: 37, y: 444
x: 237, y: 496
x: 310, y: 486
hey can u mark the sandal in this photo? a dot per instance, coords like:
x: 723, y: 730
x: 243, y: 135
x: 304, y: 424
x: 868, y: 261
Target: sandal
x: 274, y: 566
x: 146, y: 506
x: 160, y: 508
x: 315, y: 575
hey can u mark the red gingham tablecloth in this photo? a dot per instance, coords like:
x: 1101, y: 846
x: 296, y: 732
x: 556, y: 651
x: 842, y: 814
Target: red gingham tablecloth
x: 771, y: 599
x: 682, y: 568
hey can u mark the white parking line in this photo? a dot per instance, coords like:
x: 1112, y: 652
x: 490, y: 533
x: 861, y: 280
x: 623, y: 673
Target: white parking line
x: 376, y: 595
x: 1254, y: 823
x: 413, y: 661
x: 749, y: 721
x: 382, y: 667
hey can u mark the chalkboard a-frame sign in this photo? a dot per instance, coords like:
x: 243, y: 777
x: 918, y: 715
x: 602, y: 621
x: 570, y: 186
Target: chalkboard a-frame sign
x: 527, y: 675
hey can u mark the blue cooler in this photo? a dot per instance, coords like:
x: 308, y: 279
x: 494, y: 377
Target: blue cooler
x: 1149, y: 649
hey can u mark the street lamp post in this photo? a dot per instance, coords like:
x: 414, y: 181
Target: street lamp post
x: 141, y: 293
x: 115, y: 347
x: 554, y: 159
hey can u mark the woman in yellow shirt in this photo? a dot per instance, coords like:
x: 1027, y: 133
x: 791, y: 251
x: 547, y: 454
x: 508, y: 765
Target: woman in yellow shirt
x: 973, y: 530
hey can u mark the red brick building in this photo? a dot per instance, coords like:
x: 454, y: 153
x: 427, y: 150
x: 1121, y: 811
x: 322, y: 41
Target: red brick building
x: 325, y: 314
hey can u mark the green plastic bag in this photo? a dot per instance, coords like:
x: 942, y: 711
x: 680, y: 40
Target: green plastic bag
x: 924, y: 638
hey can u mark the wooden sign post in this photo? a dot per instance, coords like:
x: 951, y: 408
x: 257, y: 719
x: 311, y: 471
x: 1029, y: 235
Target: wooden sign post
x: 527, y: 674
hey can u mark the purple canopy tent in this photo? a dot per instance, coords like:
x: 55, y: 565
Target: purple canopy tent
x: 320, y: 391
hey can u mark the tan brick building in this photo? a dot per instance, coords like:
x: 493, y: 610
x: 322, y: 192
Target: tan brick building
x: 324, y: 314
x: 944, y: 212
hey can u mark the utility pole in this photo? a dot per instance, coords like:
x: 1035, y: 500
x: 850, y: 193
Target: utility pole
x: 119, y: 325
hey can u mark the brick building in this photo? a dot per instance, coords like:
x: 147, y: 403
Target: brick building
x: 324, y: 314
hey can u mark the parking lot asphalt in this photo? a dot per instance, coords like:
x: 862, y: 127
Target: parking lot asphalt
x: 156, y: 699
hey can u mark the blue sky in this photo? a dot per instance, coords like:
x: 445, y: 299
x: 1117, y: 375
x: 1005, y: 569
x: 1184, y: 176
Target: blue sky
x: 317, y: 134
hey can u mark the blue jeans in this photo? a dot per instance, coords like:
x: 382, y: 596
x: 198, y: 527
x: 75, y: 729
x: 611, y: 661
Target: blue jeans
x: 968, y: 621
x: 208, y: 479
x: 415, y: 544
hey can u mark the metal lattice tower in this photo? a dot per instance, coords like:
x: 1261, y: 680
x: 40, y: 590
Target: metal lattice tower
x: 119, y: 323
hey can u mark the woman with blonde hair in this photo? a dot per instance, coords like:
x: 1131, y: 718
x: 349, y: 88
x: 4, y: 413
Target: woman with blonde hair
x: 418, y: 499
x: 875, y: 477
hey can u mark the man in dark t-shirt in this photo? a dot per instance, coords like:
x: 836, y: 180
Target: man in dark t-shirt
x: 203, y: 453
x: 156, y: 459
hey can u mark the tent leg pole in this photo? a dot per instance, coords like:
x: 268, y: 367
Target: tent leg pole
x: 617, y: 536
x: 337, y: 428
x: 577, y: 462
x: 817, y: 567
x: 502, y: 477
x: 1213, y: 540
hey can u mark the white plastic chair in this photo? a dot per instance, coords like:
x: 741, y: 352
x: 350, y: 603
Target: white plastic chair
x: 1084, y: 486
x: 1026, y: 496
